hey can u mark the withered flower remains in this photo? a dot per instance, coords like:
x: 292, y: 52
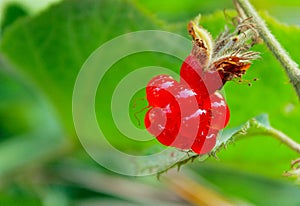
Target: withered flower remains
x: 228, y: 54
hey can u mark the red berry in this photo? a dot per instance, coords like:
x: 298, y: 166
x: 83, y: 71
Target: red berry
x: 212, y: 81
x: 206, y: 142
x: 219, y: 111
x: 204, y: 83
x: 189, y: 114
x: 194, y: 123
x: 187, y: 100
x: 191, y: 71
x: 160, y: 90
x: 155, y: 121
x: 161, y: 123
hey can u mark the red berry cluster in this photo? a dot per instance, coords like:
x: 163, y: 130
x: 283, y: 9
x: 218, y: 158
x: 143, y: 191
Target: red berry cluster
x: 190, y: 113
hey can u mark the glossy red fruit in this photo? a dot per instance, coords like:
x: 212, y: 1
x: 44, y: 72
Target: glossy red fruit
x: 159, y: 90
x: 191, y: 72
x: 216, y: 118
x: 212, y: 81
x: 187, y: 114
x: 163, y: 124
x: 190, y: 117
x: 206, y: 142
x: 186, y: 99
x: 220, y: 113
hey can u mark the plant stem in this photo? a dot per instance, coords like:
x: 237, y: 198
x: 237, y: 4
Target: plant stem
x: 284, y: 139
x: 291, y: 67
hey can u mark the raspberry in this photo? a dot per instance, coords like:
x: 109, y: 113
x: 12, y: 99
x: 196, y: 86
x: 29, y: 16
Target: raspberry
x: 159, y: 90
x: 161, y: 123
x: 204, y: 83
x: 187, y: 114
x: 191, y: 72
x: 205, y: 143
x: 190, y: 116
x: 220, y: 111
x: 212, y: 81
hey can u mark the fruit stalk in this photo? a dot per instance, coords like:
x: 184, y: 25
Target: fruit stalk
x: 291, y: 68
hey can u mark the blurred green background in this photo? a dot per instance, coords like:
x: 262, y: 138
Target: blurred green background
x: 43, y: 45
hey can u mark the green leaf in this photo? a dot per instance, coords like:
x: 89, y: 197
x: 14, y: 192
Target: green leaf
x: 102, y: 186
x: 286, y: 12
x: 16, y: 195
x: 177, y: 158
x: 29, y: 150
x: 17, y: 200
x: 14, y: 100
x: 58, y: 41
x: 12, y: 13
x: 272, y: 94
x: 254, y: 126
x: 182, y: 9
x: 255, y: 189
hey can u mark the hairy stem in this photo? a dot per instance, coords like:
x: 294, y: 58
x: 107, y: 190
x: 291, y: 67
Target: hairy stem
x: 291, y: 68
x: 285, y: 139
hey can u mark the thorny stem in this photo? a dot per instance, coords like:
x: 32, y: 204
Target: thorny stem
x: 269, y: 131
x: 291, y: 68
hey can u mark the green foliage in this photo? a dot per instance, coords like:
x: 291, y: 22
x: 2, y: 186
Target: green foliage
x: 42, y: 56
x: 255, y: 126
x: 240, y: 184
x: 12, y: 13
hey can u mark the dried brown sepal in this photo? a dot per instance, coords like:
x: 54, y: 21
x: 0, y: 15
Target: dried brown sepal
x: 231, y: 67
x: 229, y: 54
x: 202, y: 41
